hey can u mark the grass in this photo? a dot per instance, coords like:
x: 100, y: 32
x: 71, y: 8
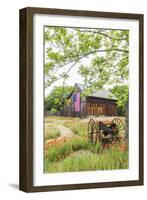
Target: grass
x: 79, y: 128
x: 77, y: 153
x: 51, y: 119
x: 51, y: 132
x: 89, y: 161
x: 58, y: 152
x: 68, y: 157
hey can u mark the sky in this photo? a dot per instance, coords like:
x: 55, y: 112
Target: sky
x: 74, y: 76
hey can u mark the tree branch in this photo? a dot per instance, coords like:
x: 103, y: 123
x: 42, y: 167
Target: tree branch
x: 62, y: 76
x: 101, y: 33
x: 111, y: 67
x: 105, y: 50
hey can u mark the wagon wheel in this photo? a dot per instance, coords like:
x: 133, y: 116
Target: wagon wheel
x: 120, y: 127
x: 92, y: 131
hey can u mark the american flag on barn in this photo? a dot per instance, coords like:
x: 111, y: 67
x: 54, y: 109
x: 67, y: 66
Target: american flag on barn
x: 100, y: 103
x: 76, y: 101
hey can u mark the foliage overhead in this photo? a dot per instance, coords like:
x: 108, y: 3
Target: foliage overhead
x: 101, y: 55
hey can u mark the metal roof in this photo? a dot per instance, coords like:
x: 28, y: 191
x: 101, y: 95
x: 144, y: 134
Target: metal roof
x: 80, y: 86
x: 106, y: 94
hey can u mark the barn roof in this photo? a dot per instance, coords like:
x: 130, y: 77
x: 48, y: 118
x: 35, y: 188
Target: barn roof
x: 80, y: 86
x: 106, y: 94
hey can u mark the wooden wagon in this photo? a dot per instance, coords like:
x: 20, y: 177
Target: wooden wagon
x: 106, y: 132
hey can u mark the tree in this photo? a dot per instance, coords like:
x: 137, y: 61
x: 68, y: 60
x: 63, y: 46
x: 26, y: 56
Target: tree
x: 102, y: 57
x: 121, y: 93
x: 57, y: 98
x: 100, y: 54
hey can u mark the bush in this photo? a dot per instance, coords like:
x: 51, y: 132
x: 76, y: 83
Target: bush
x: 121, y: 92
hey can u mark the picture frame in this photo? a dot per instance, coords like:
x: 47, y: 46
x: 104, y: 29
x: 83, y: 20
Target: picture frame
x: 27, y: 98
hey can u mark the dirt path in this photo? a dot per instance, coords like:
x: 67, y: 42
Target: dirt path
x: 64, y: 131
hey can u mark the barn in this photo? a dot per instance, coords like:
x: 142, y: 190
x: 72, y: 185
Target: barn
x: 100, y: 103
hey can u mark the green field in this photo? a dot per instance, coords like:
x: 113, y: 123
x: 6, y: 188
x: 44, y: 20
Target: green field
x: 75, y: 152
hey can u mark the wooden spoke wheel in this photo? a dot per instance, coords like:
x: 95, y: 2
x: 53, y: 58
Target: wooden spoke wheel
x: 120, y: 126
x: 92, y: 131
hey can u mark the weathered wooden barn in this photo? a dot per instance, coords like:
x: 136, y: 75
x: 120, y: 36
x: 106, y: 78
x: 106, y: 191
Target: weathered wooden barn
x: 99, y: 103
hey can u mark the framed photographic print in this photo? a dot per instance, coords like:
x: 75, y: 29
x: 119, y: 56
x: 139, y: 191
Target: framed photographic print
x: 81, y: 99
